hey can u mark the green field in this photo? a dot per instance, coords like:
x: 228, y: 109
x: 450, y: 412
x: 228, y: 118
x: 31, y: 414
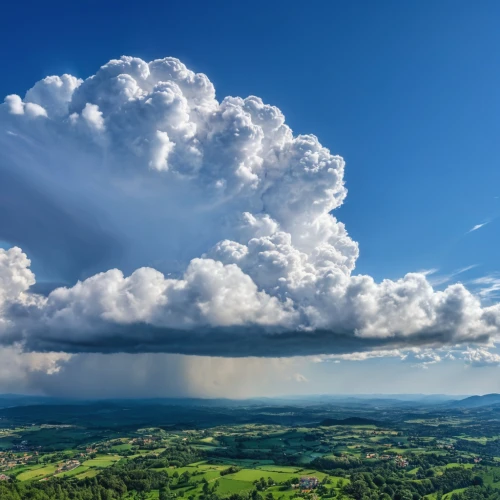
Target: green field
x: 37, y: 472
x: 102, y: 461
x: 256, y: 474
x: 228, y: 485
x: 88, y: 473
x: 74, y: 472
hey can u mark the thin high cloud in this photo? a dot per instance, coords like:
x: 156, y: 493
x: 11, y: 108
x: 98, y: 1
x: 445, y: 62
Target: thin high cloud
x: 477, y: 226
x: 487, y: 287
x: 205, y: 228
x: 440, y: 279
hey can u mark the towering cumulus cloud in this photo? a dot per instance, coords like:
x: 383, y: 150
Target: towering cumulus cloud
x: 187, y: 225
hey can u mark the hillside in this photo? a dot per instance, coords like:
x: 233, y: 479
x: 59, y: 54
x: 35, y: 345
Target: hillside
x: 476, y: 401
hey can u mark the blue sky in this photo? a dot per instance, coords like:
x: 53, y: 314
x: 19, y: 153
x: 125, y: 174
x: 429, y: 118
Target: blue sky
x: 406, y: 92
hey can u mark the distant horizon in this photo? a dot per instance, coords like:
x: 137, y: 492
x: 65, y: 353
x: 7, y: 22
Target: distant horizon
x: 283, y: 396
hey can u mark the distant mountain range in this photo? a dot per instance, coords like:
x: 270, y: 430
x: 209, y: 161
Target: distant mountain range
x: 377, y: 401
x: 475, y: 401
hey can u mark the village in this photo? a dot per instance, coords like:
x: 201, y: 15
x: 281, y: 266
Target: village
x: 10, y: 459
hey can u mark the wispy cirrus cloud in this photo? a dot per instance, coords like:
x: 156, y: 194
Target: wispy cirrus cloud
x: 488, y: 287
x: 437, y: 279
x: 477, y: 226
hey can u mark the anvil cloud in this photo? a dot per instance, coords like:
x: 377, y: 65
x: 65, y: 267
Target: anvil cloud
x: 189, y: 225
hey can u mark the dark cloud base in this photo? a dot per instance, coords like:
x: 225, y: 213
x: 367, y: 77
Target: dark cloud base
x: 231, y: 342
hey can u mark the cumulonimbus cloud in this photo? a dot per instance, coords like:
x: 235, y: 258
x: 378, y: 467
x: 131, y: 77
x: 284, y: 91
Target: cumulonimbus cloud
x: 218, y: 217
